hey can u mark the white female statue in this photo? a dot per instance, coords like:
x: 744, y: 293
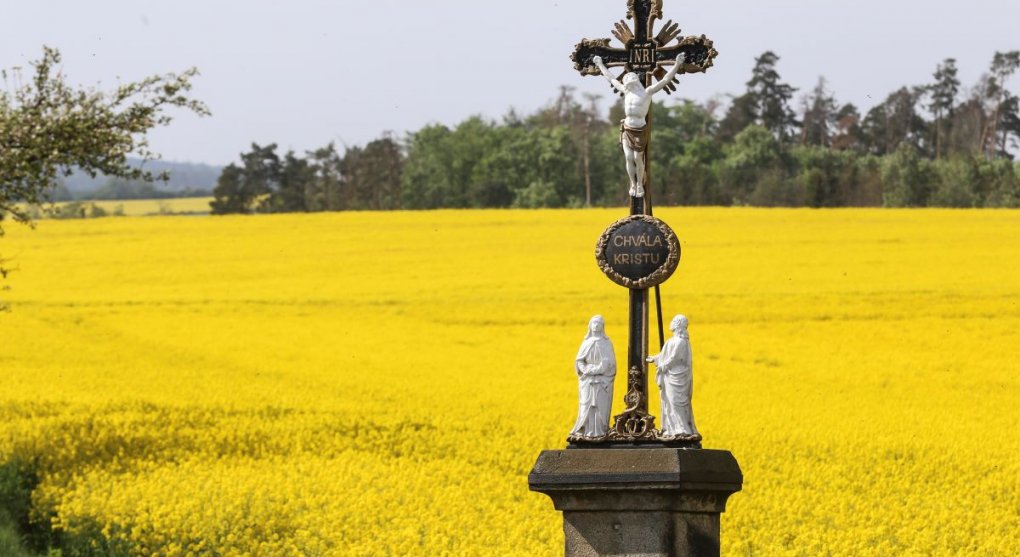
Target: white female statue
x: 637, y: 101
x: 596, y: 369
x: 675, y: 380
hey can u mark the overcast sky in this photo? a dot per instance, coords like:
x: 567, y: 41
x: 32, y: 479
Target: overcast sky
x: 302, y: 73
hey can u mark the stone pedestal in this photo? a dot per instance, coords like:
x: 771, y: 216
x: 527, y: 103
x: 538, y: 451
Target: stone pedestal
x: 638, y: 502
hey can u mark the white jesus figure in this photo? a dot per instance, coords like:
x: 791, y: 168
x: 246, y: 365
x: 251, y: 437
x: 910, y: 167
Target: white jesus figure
x: 637, y: 101
x: 596, y: 369
x: 675, y: 380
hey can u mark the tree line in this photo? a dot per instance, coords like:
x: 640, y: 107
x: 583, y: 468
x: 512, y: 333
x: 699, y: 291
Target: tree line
x: 934, y: 144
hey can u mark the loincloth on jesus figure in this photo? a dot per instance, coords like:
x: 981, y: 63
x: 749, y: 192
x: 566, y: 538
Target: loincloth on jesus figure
x: 635, y: 138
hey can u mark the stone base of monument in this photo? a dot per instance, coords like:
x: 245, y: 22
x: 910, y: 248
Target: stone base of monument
x: 638, y: 502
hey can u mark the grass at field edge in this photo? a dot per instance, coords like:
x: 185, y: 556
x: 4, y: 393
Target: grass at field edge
x: 16, y: 484
x: 10, y: 539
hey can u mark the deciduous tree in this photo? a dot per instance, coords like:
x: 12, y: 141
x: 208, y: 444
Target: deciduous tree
x: 48, y: 128
x: 743, y: 112
x: 848, y: 134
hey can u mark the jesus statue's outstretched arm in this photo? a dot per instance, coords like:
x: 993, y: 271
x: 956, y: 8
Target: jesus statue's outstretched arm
x: 668, y: 78
x: 605, y: 73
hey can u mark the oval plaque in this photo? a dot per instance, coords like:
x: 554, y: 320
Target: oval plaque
x: 638, y: 252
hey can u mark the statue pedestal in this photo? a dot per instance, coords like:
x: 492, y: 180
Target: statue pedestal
x: 638, y: 502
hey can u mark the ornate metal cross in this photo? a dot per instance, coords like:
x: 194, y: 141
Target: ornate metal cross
x: 644, y: 53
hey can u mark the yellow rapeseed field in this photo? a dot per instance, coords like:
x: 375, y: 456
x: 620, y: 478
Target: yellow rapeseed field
x: 381, y: 383
x: 144, y: 207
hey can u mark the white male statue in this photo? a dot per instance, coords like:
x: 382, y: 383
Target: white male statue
x: 637, y: 101
x: 675, y: 381
x: 596, y: 369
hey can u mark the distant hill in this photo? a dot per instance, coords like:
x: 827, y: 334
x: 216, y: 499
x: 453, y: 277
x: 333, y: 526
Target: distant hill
x: 184, y: 176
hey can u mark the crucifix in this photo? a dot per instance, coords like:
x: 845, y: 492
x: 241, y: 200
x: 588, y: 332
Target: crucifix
x: 665, y: 499
x: 643, y: 58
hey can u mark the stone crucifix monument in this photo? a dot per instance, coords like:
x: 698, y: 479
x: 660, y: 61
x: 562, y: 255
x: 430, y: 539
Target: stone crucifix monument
x: 630, y: 489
